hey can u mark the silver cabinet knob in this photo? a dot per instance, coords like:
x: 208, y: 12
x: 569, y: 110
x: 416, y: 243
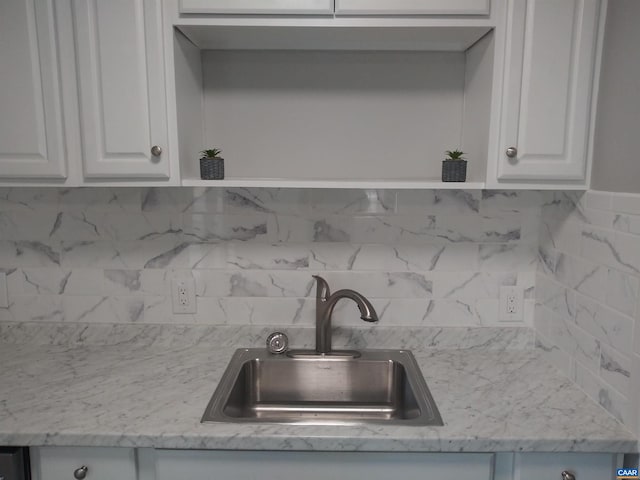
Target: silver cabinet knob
x: 512, y: 152
x: 80, y: 473
x: 156, y: 151
x: 566, y: 475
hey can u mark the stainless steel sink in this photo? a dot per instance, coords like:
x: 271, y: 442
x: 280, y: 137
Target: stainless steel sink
x: 373, y: 386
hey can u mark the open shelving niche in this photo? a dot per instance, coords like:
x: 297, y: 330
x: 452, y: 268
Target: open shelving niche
x: 333, y: 107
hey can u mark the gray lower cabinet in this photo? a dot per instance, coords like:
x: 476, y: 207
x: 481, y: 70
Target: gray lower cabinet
x: 583, y: 466
x: 203, y: 465
x: 101, y: 463
x: 91, y: 463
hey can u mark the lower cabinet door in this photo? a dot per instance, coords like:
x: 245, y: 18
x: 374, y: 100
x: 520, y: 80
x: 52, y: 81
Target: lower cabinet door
x: 549, y: 466
x: 238, y: 465
x: 92, y: 463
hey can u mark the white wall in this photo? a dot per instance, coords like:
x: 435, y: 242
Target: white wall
x: 616, y: 164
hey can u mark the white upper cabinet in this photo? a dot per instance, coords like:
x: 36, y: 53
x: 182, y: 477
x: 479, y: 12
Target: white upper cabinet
x: 413, y: 7
x: 32, y: 141
x: 551, y: 49
x: 121, y: 81
x: 278, y: 7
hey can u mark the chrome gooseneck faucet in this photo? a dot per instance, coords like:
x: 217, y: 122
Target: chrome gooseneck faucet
x: 325, y: 303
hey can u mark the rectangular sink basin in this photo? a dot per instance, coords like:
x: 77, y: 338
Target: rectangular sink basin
x: 379, y: 386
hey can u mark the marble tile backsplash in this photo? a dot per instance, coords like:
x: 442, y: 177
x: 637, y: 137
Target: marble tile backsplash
x: 424, y: 258
x: 587, y: 315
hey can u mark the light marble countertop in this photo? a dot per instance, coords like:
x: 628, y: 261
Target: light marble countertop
x: 154, y: 396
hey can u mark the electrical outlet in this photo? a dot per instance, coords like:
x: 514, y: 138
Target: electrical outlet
x: 4, y: 298
x: 511, y: 304
x: 183, y: 295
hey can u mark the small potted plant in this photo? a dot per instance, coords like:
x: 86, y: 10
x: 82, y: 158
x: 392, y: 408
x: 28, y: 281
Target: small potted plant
x: 454, y: 167
x: 211, y: 164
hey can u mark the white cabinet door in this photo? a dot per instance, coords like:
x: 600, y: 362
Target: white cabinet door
x: 60, y: 463
x: 550, y: 58
x: 278, y: 7
x: 32, y: 142
x: 202, y: 465
x: 413, y: 7
x: 122, y: 88
x: 549, y: 466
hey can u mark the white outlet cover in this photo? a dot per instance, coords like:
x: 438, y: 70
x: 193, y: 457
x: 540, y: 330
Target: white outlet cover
x: 511, y: 304
x: 183, y: 295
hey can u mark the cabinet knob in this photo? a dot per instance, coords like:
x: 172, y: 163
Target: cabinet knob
x: 512, y: 152
x: 156, y: 151
x: 80, y: 473
x: 566, y: 475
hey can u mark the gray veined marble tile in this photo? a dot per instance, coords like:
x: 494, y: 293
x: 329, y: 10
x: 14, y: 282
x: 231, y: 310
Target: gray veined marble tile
x: 622, y: 291
x: 217, y: 228
x: 564, y: 205
x: 563, y: 235
x: 581, y: 275
x: 598, y: 200
x: 166, y: 199
x: 266, y: 256
x: 33, y: 308
x: 607, y: 325
x: 140, y: 226
x: 247, y: 200
x: 29, y: 225
x: 59, y: 281
x: 353, y: 202
x: 393, y: 229
x: 626, y: 203
x: 472, y: 285
x: 415, y: 258
x: 90, y: 309
x: 333, y: 229
x: 547, y: 257
x: 515, y: 201
x: 385, y: 285
x: 183, y: 255
x: 434, y: 202
x: 581, y: 345
x: 253, y: 283
x: 29, y: 199
x: 615, y: 370
x: 29, y: 254
x: 334, y: 256
x: 554, y: 354
x: 506, y: 257
x: 615, y: 249
x: 291, y: 228
x: 599, y: 391
x: 475, y: 228
x: 100, y: 199
x: 627, y: 223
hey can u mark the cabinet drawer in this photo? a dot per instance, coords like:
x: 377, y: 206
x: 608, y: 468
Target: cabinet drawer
x: 276, y: 7
x: 205, y: 465
x: 60, y: 463
x: 413, y: 7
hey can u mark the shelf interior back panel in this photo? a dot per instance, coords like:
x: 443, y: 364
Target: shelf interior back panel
x: 333, y: 114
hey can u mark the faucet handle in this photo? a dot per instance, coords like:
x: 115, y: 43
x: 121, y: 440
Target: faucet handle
x: 322, y: 291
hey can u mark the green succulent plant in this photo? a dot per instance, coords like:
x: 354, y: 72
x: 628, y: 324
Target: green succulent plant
x: 211, y: 153
x: 455, y: 155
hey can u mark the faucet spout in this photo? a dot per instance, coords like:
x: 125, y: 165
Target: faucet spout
x: 326, y: 302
